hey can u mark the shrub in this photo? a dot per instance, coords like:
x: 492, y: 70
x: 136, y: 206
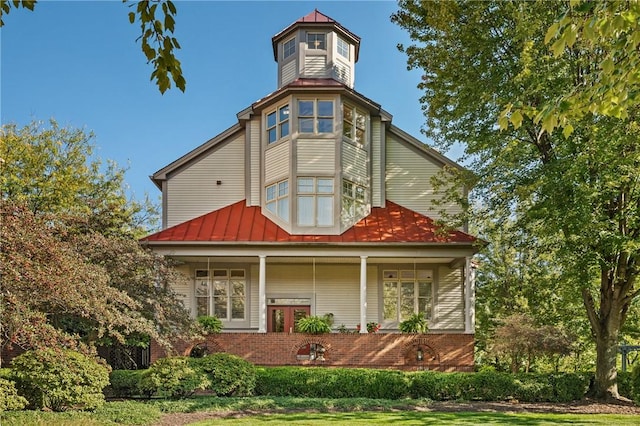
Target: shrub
x: 331, y: 383
x: 173, y: 377
x: 635, y: 384
x: 60, y: 379
x: 126, y: 383
x: 228, y: 375
x: 210, y: 325
x: 416, y: 323
x: 313, y: 325
x: 9, y: 398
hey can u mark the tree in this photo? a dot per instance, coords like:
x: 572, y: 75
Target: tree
x: 156, y: 37
x: 73, y: 272
x: 581, y: 187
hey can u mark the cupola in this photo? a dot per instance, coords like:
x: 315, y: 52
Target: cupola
x: 316, y: 47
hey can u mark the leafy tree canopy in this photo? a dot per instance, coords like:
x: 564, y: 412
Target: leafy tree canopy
x: 157, y: 25
x: 580, y: 188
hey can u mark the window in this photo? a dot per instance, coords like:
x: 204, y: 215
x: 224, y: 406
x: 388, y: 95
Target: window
x: 288, y: 48
x: 223, y: 294
x: 406, y: 292
x: 277, y: 199
x: 315, y: 201
x: 278, y: 124
x: 353, y: 200
x: 343, y: 48
x: 316, y: 41
x: 354, y: 124
x: 315, y: 116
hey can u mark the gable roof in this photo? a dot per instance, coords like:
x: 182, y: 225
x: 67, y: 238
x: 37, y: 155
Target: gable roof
x: 246, y: 224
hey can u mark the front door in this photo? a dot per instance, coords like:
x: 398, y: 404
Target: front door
x: 282, y: 319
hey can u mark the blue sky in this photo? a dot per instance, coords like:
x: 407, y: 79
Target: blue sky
x: 79, y: 62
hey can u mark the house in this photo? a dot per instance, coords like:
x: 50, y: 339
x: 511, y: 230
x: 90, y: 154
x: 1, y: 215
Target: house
x: 314, y: 203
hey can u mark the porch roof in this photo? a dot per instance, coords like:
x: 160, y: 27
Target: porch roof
x: 246, y: 224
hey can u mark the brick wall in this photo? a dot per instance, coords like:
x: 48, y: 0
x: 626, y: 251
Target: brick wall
x: 443, y: 352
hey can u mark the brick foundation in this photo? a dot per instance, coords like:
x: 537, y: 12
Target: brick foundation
x: 442, y: 352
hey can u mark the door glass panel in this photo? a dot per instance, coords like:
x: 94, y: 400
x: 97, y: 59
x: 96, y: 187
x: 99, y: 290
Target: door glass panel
x: 277, y: 320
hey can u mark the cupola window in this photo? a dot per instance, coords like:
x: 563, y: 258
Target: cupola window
x: 289, y: 48
x: 316, y: 41
x: 343, y: 48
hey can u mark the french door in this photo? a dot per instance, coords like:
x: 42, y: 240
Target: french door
x: 282, y: 319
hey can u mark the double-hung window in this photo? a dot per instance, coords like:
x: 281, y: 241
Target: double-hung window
x: 315, y: 116
x: 407, y: 292
x: 221, y: 293
x: 354, y: 124
x: 278, y: 124
x: 353, y: 200
x: 288, y: 48
x: 277, y: 199
x: 315, y: 201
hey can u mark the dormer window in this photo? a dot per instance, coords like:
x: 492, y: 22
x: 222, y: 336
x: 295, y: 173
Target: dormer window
x: 343, y: 48
x: 315, y: 116
x: 278, y: 124
x: 288, y: 48
x: 316, y: 41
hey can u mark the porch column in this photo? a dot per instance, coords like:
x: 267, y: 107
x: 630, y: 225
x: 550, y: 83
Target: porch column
x: 363, y: 294
x: 469, y: 297
x: 262, y: 295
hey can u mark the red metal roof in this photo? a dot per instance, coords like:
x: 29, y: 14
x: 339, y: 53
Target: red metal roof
x: 240, y: 223
x: 315, y: 16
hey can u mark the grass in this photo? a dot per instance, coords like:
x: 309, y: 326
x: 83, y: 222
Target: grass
x: 319, y: 411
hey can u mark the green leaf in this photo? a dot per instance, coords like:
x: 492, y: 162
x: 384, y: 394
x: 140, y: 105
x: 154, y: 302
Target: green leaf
x: 516, y: 119
x: 607, y: 66
x: 551, y: 32
x: 567, y: 131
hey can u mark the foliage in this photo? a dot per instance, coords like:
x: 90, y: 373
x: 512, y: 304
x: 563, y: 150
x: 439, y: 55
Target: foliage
x: 635, y: 384
x: 229, y: 375
x: 210, y: 324
x: 173, y: 377
x: 577, y: 191
x: 73, y: 272
x: 9, y: 398
x: 156, y: 36
x: 334, y: 383
x: 126, y: 383
x: 416, y: 323
x: 520, y: 340
x: 313, y: 325
x: 60, y: 379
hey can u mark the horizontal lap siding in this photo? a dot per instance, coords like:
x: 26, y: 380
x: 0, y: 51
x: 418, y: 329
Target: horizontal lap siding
x: 450, y: 299
x: 337, y: 290
x: 289, y: 72
x: 315, y: 66
x: 276, y: 163
x: 408, y: 180
x: 316, y: 157
x: 193, y: 191
x: 354, y: 162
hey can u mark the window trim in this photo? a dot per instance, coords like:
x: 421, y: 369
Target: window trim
x: 398, y: 279
x: 213, y: 275
x: 315, y: 194
x: 316, y: 117
x: 276, y: 200
x: 278, y: 124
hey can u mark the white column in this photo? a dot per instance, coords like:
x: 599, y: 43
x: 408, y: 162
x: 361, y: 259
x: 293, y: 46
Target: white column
x: 262, y: 295
x: 470, y: 297
x: 363, y: 294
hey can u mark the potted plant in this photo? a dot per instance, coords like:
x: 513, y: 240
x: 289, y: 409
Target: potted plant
x: 313, y: 325
x: 372, y: 327
x: 416, y: 323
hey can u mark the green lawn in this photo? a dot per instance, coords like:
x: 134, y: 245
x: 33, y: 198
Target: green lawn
x: 321, y: 411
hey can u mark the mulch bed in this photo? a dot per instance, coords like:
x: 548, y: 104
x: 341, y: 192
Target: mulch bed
x: 585, y: 406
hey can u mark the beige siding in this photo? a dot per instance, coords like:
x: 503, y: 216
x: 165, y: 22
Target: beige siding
x: 408, y: 180
x: 376, y: 152
x: 276, y: 163
x: 193, y: 191
x: 289, y: 72
x: 337, y: 290
x: 354, y: 162
x: 316, y: 156
x: 449, y: 299
x: 315, y: 66
x: 255, y: 162
x: 184, y: 288
x: 342, y: 72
